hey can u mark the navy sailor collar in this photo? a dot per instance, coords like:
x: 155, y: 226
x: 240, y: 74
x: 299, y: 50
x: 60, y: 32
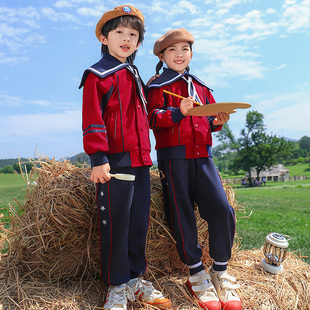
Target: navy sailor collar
x: 169, y: 76
x: 105, y: 66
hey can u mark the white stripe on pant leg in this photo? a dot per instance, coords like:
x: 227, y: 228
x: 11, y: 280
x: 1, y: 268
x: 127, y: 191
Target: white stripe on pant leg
x: 194, y: 266
x: 220, y: 263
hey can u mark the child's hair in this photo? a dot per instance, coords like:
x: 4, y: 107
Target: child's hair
x: 160, y: 63
x: 126, y: 21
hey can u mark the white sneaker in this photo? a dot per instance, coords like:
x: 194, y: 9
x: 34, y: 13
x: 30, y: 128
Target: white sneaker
x: 225, y: 287
x: 116, y: 298
x: 201, y: 287
x: 144, y: 291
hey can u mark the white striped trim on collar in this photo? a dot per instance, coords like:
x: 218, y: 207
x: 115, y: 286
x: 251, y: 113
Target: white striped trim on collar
x: 106, y: 72
x: 166, y: 82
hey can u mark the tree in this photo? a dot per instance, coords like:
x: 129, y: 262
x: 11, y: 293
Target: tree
x: 16, y: 167
x: 269, y: 150
x: 21, y: 168
x: 255, y: 148
x: 304, y: 143
x: 223, y: 153
x: 7, y: 169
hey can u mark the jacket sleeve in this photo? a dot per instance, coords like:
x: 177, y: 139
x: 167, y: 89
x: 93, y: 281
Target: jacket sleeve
x: 94, y: 130
x: 160, y: 114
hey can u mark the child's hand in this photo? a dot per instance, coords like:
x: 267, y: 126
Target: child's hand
x: 152, y: 79
x: 101, y: 173
x: 186, y: 105
x: 221, y: 118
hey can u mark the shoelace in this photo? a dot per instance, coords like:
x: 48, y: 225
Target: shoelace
x: 147, y: 288
x: 119, y: 295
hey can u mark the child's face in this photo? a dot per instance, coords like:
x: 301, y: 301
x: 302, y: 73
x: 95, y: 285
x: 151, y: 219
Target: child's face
x: 177, y: 56
x: 121, y: 42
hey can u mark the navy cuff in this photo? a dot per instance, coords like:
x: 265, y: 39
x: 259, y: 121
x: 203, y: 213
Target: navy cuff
x: 177, y: 115
x: 98, y: 159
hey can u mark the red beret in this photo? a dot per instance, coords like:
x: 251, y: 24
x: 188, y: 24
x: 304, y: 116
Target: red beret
x: 171, y: 37
x: 116, y: 12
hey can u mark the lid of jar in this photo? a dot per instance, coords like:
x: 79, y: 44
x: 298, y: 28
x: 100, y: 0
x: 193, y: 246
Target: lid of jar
x: 278, y: 240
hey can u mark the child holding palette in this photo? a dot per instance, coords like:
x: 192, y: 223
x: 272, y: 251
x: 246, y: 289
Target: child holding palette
x: 183, y: 145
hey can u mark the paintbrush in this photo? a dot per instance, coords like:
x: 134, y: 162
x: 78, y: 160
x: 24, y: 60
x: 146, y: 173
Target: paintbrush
x: 173, y: 94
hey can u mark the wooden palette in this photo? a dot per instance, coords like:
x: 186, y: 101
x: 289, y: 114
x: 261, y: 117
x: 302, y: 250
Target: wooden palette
x: 213, y: 109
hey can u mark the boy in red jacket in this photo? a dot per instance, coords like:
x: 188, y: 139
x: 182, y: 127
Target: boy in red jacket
x: 116, y: 137
x: 183, y: 145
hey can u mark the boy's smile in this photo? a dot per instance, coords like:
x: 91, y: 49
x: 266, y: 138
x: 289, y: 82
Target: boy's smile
x: 177, y: 56
x: 121, y: 42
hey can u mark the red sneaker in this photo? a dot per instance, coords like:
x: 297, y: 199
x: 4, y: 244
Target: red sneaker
x: 225, y: 288
x: 201, y: 287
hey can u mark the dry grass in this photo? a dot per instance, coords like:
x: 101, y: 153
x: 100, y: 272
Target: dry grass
x: 53, y: 257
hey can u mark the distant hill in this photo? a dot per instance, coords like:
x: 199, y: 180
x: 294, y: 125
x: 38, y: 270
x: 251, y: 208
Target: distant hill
x: 80, y: 158
x: 10, y: 161
x: 289, y: 139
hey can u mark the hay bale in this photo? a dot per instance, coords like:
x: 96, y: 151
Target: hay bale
x: 54, y: 237
x: 55, y: 232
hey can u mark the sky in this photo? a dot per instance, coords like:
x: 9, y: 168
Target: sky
x: 254, y: 51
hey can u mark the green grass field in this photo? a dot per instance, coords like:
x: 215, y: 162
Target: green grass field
x: 11, y: 186
x: 282, y: 207
x: 300, y: 169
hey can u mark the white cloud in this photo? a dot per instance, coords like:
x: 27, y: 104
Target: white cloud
x: 6, y: 100
x: 39, y: 102
x: 88, y: 12
x: 9, y: 60
x: 41, y: 124
x: 54, y: 16
x: 216, y: 74
x: 284, y: 115
x: 23, y: 16
x: 74, y: 3
x: 63, y: 4
x: 226, y: 4
x: 15, y: 101
x: 280, y: 67
x: 164, y: 8
x: 187, y: 6
x: 17, y: 32
x: 271, y: 11
x: 296, y: 16
x: 288, y: 112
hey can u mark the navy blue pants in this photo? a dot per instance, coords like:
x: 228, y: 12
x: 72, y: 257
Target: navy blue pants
x: 123, y: 214
x: 196, y: 180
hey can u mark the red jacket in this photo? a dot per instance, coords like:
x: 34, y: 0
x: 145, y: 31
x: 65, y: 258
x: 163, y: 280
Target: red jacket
x: 179, y: 136
x: 115, y: 126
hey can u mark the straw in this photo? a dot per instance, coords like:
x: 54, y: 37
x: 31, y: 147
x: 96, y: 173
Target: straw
x: 52, y: 259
